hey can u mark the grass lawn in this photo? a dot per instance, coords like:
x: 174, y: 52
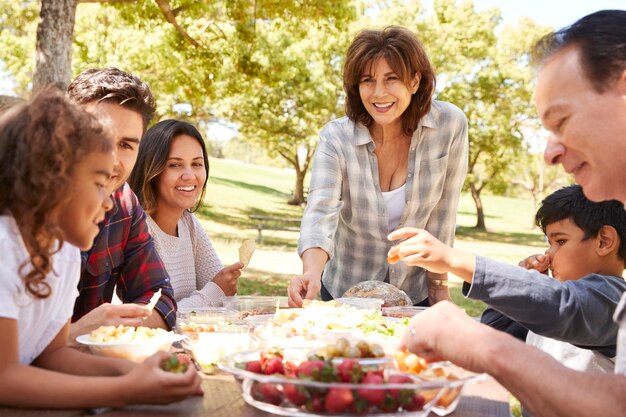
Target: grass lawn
x: 236, y: 190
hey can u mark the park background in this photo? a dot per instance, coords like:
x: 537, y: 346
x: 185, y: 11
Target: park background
x: 261, y: 77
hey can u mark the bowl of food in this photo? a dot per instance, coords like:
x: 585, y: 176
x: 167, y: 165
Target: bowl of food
x: 448, y: 398
x: 291, y: 383
x: 212, y: 333
x: 252, y: 305
x: 134, y: 344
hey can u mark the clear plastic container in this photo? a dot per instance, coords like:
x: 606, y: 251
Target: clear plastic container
x: 363, y: 303
x: 210, y: 341
x: 252, y: 305
x: 403, y: 311
x: 284, y: 395
x: 205, y: 314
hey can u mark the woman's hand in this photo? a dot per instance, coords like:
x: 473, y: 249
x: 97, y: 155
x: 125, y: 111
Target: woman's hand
x: 306, y: 286
x: 149, y: 384
x: 537, y: 262
x: 226, y: 279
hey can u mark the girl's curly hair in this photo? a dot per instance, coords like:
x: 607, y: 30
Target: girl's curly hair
x: 41, y: 143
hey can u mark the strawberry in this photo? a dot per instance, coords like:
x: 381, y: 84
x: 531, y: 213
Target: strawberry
x: 177, y: 363
x: 338, y: 400
x: 294, y: 394
x: 395, y: 393
x: 316, y: 404
x: 390, y: 405
x: 254, y: 366
x: 269, y: 354
x: 350, y: 371
x: 359, y: 406
x: 310, y: 369
x: 416, y: 403
x: 270, y: 393
x: 375, y: 397
x: 290, y: 369
x: 274, y: 366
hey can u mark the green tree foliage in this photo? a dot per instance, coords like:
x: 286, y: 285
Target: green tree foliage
x: 295, y: 89
x: 273, y: 67
x: 490, y: 79
x: 18, y: 25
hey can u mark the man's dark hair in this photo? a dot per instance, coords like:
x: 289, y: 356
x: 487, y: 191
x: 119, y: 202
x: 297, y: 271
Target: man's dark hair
x: 601, y: 40
x: 570, y: 203
x: 114, y: 86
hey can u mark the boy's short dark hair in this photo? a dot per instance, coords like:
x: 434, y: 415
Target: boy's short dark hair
x: 115, y: 86
x: 570, y: 203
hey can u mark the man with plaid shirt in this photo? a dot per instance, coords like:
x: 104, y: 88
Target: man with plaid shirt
x: 123, y: 257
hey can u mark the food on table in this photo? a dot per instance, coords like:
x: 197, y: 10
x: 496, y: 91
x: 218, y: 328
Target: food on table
x: 125, y: 334
x: 343, y: 348
x: 153, y: 300
x: 406, y: 361
x: 134, y: 344
x: 177, y: 363
x: 319, y: 322
x: 337, y: 393
x: 447, y: 400
x: 246, y: 250
x: 390, y: 294
x: 210, y: 341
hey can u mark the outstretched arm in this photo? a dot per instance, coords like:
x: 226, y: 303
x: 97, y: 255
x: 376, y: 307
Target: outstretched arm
x: 34, y: 386
x: 544, y: 386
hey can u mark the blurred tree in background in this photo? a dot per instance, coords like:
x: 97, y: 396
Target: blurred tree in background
x: 273, y: 67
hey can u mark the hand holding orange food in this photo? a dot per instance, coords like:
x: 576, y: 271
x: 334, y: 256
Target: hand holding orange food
x: 420, y: 248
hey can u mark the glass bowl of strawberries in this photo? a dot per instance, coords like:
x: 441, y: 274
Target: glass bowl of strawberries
x: 297, y: 382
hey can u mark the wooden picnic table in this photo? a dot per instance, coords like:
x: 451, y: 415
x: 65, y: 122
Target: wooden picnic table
x: 222, y: 398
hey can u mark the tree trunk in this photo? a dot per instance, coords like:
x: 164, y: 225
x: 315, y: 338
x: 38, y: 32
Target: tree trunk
x: 6, y: 102
x: 55, y: 33
x: 298, y: 194
x: 534, y: 198
x: 480, y: 214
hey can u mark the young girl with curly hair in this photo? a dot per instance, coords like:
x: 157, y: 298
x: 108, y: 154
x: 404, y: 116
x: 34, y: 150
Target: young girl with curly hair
x: 55, y: 163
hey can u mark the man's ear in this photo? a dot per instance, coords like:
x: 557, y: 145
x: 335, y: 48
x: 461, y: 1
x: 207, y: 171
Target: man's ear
x: 608, y: 240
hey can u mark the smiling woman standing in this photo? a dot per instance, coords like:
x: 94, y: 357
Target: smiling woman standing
x: 169, y: 179
x: 397, y: 159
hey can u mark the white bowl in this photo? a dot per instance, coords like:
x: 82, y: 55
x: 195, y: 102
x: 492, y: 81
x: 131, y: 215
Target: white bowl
x: 135, y: 352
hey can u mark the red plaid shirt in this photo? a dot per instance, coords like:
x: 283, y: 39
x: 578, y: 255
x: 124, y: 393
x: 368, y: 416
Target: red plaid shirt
x: 123, y: 254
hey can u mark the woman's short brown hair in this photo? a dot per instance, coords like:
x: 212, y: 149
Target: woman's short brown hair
x: 406, y: 55
x: 41, y: 143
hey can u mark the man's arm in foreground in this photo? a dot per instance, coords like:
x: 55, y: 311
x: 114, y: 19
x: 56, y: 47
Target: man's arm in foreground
x: 544, y: 386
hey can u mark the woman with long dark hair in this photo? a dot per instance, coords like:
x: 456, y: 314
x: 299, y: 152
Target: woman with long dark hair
x: 170, y: 179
